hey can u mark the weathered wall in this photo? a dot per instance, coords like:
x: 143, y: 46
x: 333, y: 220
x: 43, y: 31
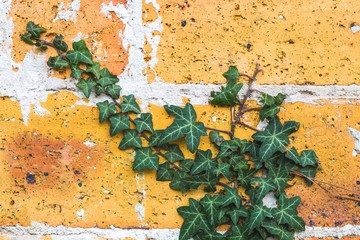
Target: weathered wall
x: 61, y: 175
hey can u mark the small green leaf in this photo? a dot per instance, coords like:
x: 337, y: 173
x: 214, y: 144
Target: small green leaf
x: 113, y: 91
x: 265, y: 185
x: 118, y: 123
x: 257, y: 216
x: 99, y: 89
x: 280, y: 176
x: 212, y: 235
x: 57, y: 62
x: 34, y: 30
x: 235, y: 214
x: 131, y: 139
x: 144, y: 123
x: 186, y: 164
x: 86, y: 86
x: 60, y: 44
x: 41, y: 46
x: 224, y: 169
x: 232, y: 197
x: 155, y: 138
x: 268, y: 112
x: 237, y: 232
x: 267, y: 100
x: 105, y: 110
x: 308, y: 157
x: 94, y: 69
x: 129, y: 104
x: 227, y: 96
x: 232, y: 75
x: 216, y: 138
x: 178, y: 182
x: 310, y: 172
x: 278, y: 230
x: 245, y: 176
x: 165, y: 173
x: 211, y: 206
x: 175, y: 154
x: 26, y: 37
x: 106, y: 78
x: 80, y: 54
x: 144, y: 159
x: 203, y: 162
x: 76, y: 72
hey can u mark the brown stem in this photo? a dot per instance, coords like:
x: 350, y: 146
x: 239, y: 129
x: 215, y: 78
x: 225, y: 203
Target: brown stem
x: 232, y: 122
x: 251, y: 109
x: 247, y: 125
x: 223, y: 131
x: 44, y: 42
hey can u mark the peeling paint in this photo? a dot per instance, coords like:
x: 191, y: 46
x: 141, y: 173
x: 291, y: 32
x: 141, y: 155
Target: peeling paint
x: 68, y: 12
x: 355, y: 134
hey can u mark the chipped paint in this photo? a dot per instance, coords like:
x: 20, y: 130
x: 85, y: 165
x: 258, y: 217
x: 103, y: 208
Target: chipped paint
x: 355, y: 134
x: 68, y: 12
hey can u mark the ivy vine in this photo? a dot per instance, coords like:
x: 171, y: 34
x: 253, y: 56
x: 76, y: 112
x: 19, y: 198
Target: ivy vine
x: 259, y: 166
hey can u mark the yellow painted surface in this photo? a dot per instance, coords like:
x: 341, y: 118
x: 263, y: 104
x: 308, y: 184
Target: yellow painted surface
x: 324, y: 49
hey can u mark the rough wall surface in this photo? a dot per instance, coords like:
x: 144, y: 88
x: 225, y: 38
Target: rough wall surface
x: 61, y: 176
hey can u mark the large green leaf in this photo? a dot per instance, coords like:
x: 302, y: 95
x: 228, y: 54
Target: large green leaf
x: 224, y: 169
x: 86, y: 86
x: 279, y: 175
x: 105, y: 110
x: 286, y: 212
x: 184, y: 125
x: 227, y: 96
x: 278, y: 230
x: 80, y: 54
x: 57, y: 62
x: 257, y: 216
x: 144, y: 123
x: 94, y: 69
x: 129, y: 104
x: 211, y: 206
x: 265, y: 185
x: 155, y: 138
x: 203, y: 162
x: 208, y: 179
x: 165, y: 173
x: 60, y: 44
x: 131, y: 139
x: 35, y: 30
x: 144, y: 159
x: 194, y: 220
x: 178, y: 183
x: 232, y: 197
x: 107, y: 78
x: 118, y: 123
x: 186, y: 164
x: 175, y: 154
x: 113, y: 91
x: 232, y: 75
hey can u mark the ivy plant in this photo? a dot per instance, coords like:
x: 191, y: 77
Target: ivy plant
x: 236, y: 176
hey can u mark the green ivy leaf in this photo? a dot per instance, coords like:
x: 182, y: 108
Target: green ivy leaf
x: 80, y: 54
x: 118, y: 123
x: 229, y: 146
x: 211, y: 206
x: 194, y: 220
x: 106, y: 78
x: 310, y: 172
x: 57, y: 62
x: 175, y: 154
x: 60, y: 44
x: 76, y: 72
x: 224, y: 169
x: 216, y: 138
x: 265, y: 186
x: 105, y: 110
x: 99, y: 90
x: 235, y: 214
x: 280, y: 176
x: 86, y: 86
x: 232, y: 75
x: 131, y: 139
x: 129, y: 104
x: 184, y: 125
x: 34, y: 30
x: 26, y: 37
x: 212, y: 235
x: 186, y: 164
x: 203, y: 162
x: 144, y: 123
x: 94, y: 69
x: 155, y: 138
x: 308, y: 157
x: 113, y: 91
x: 232, y: 197
x: 144, y: 159
x: 267, y: 99
x: 227, y: 96
x: 178, y: 182
x: 165, y: 173
x: 257, y: 216
x: 237, y: 232
x: 287, y: 213
x: 268, y: 112
x: 41, y: 46
x: 245, y: 176
x: 278, y: 230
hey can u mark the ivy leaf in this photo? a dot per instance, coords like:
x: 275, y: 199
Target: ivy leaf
x: 86, y: 86
x: 131, y: 139
x: 211, y: 206
x: 203, y: 162
x: 287, y: 213
x: 186, y: 164
x: 216, y: 138
x: 265, y: 186
x: 224, y: 169
x: 34, y: 30
x: 144, y: 159
x: 26, y: 37
x: 245, y: 176
x: 113, y: 91
x: 41, y: 46
x: 232, y: 75
x: 60, y: 44
x: 232, y: 197
x: 165, y: 173
x: 105, y: 110
x: 106, y: 78
x: 175, y: 154
x: 280, y: 176
x: 184, y: 125
x: 267, y: 99
x: 80, y: 54
x: 99, y: 89
x: 235, y: 214
x: 178, y: 182
x: 278, y: 230
x: 257, y: 216
x: 229, y: 146
x: 268, y: 112
x: 227, y: 96
x: 75, y: 72
x: 155, y: 138
x: 212, y: 235
x: 118, y: 123
x: 94, y: 69
x: 237, y: 232
x: 144, y: 123
x: 273, y: 139
x: 310, y: 172
x: 57, y: 62
x: 129, y: 104
x: 194, y: 220
x: 308, y: 157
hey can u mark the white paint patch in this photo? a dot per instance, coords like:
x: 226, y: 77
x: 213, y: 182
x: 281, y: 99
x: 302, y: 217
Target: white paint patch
x: 140, y: 207
x: 80, y: 213
x: 68, y: 12
x: 281, y: 16
x: 89, y: 143
x: 269, y: 200
x: 39, y: 110
x: 355, y: 28
x: 355, y: 134
x: 213, y: 118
